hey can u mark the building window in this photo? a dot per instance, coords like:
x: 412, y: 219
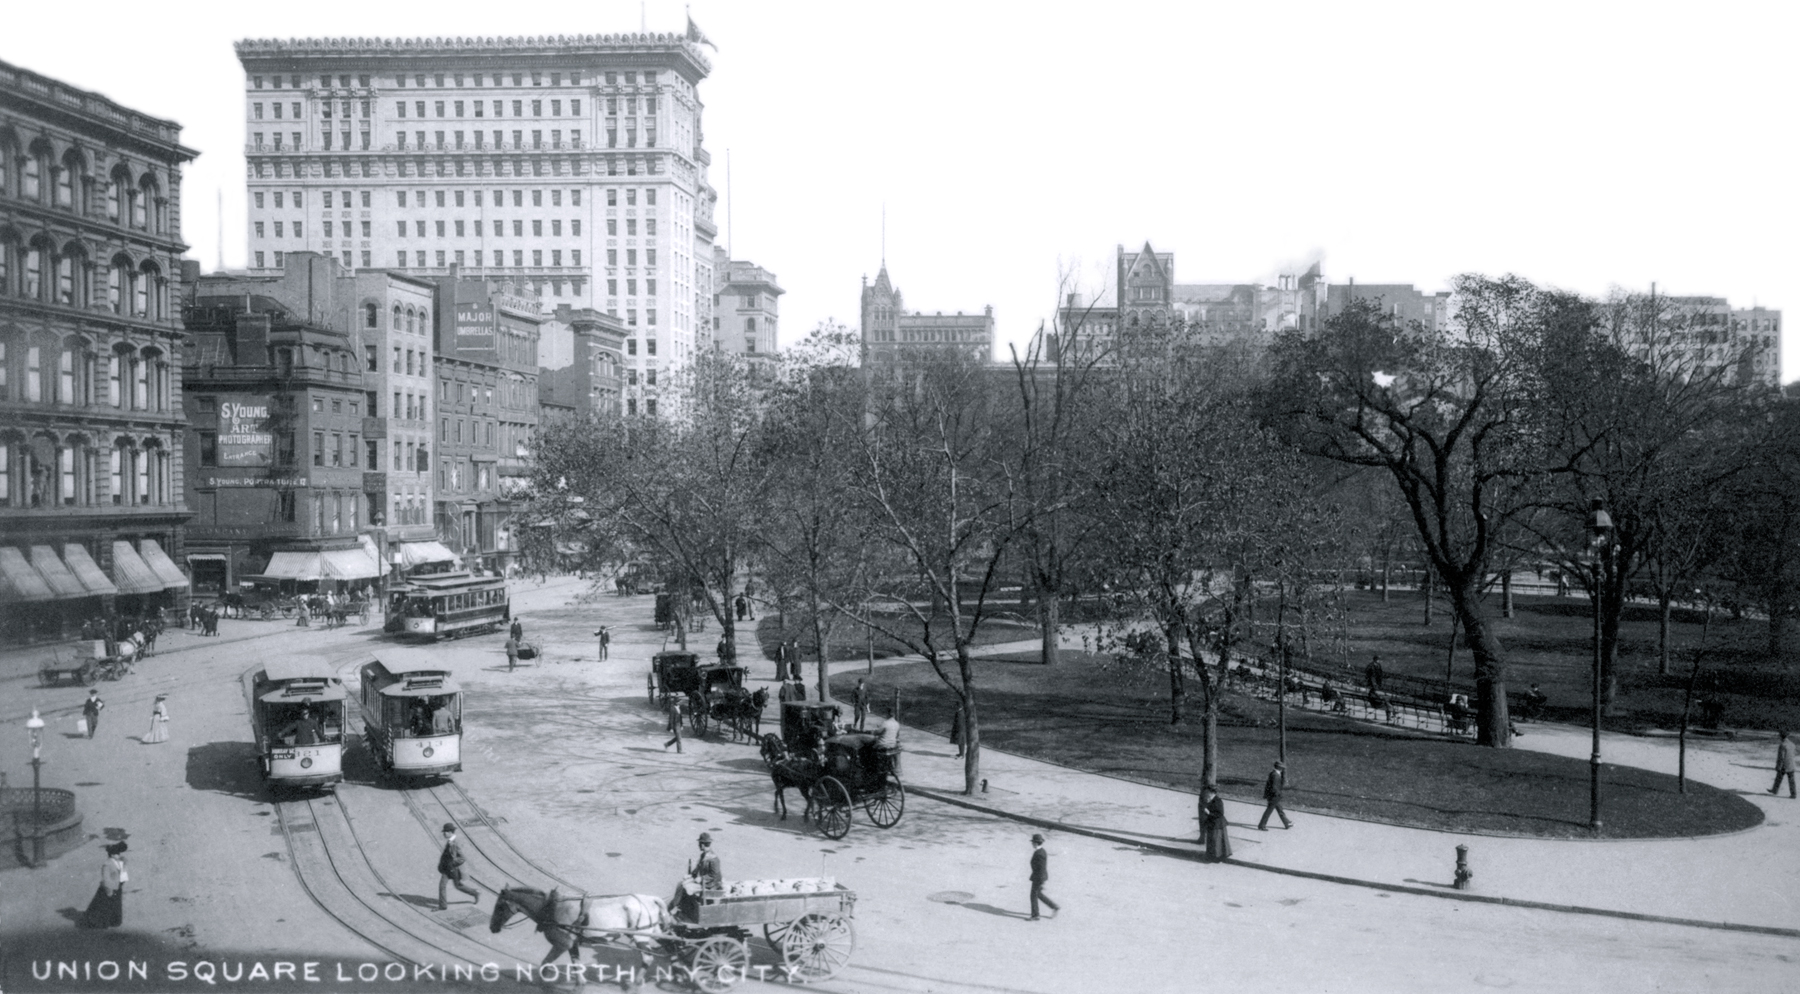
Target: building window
x: 318, y: 455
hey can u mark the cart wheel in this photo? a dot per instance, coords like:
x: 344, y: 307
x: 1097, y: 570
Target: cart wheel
x: 886, y: 805
x: 650, y: 684
x: 719, y: 964
x: 90, y: 675
x: 776, y: 933
x: 817, y: 947
x: 700, y: 721
x: 287, y: 610
x: 833, y: 803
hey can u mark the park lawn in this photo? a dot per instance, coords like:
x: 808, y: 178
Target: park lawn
x: 851, y: 642
x: 1094, y: 713
x: 1550, y: 640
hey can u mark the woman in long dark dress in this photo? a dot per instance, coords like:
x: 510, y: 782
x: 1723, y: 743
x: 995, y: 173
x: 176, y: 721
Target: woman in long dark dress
x: 107, y: 909
x: 1212, y: 825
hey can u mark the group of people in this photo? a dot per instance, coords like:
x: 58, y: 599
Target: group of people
x: 159, y: 718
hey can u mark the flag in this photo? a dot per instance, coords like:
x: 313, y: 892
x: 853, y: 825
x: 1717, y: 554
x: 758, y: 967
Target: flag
x: 694, y: 34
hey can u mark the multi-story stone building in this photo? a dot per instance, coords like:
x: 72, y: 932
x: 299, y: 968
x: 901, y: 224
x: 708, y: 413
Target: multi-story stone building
x: 486, y: 366
x: 746, y: 308
x: 277, y: 388
x: 889, y: 329
x: 92, y: 515
x: 572, y: 166
x: 592, y: 380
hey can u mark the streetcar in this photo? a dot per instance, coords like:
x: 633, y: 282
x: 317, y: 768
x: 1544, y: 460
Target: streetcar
x: 412, y: 720
x: 297, y: 716
x: 448, y: 605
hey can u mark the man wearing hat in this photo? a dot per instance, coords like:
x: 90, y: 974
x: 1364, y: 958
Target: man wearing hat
x: 1040, y: 875
x: 450, y: 863
x: 90, y: 709
x: 703, y: 874
x: 1272, y: 793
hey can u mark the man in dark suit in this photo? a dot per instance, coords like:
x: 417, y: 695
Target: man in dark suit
x: 517, y: 631
x: 90, y: 709
x: 1272, y: 789
x: 450, y: 863
x: 1040, y: 875
x: 703, y: 875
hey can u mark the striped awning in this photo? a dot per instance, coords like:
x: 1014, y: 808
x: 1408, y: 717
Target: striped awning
x: 87, y: 571
x: 349, y: 564
x: 49, y: 565
x: 18, y: 581
x: 159, y: 562
x: 420, y: 553
x: 131, y: 573
x: 295, y: 566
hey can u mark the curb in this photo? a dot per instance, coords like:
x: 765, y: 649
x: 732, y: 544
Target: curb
x: 1182, y: 852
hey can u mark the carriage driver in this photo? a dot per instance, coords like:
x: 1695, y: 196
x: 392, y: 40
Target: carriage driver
x: 703, y: 875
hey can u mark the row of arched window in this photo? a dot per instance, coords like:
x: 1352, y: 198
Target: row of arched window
x: 406, y: 318
x: 74, y: 372
x: 45, y: 470
x: 33, y: 171
x: 41, y: 270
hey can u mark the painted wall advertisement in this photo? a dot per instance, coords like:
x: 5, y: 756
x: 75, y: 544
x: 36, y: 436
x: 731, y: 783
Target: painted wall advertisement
x: 474, y: 328
x: 244, y: 439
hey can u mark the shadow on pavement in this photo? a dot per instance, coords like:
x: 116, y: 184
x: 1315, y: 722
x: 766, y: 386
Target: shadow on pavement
x: 991, y: 910
x: 225, y: 768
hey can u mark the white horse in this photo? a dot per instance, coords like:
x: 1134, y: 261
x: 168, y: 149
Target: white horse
x: 565, y: 921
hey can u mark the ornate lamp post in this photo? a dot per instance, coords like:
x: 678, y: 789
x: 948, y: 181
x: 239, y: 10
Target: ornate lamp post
x: 35, y: 727
x: 1599, y: 526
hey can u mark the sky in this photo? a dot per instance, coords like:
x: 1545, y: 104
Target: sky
x: 1013, y: 147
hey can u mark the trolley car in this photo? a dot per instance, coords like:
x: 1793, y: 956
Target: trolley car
x: 448, y: 605
x: 297, y: 716
x: 412, y: 721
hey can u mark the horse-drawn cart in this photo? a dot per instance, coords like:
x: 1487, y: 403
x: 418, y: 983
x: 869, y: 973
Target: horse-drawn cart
x: 811, y: 928
x: 98, y: 665
x: 835, y: 773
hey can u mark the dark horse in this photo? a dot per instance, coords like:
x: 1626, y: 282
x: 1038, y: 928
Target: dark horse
x: 566, y: 921
x: 743, y: 712
x: 799, y: 771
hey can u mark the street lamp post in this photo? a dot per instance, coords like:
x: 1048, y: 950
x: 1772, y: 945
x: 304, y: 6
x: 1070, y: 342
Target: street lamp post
x: 1599, y: 525
x: 35, y: 726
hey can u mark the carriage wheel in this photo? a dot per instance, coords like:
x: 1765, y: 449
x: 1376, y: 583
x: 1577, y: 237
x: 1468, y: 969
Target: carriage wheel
x: 288, y: 610
x: 90, y: 675
x: 776, y: 933
x: 887, y: 804
x: 817, y: 947
x: 833, y: 802
x: 719, y: 964
x: 700, y: 721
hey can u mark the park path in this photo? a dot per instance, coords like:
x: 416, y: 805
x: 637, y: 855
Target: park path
x: 1748, y: 878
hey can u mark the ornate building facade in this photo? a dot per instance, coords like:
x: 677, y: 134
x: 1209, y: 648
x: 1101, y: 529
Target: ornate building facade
x: 889, y: 329
x: 572, y: 166
x: 92, y: 513
x: 746, y: 309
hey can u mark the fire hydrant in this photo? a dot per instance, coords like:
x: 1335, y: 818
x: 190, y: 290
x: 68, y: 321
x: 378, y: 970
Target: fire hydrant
x: 1463, y: 873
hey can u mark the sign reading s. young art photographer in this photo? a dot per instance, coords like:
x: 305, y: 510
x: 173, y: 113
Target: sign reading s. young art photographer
x: 474, y: 328
x: 244, y: 438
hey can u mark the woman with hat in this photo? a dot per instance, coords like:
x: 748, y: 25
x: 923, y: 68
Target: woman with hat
x: 1212, y: 825
x: 159, y: 722
x: 107, y: 909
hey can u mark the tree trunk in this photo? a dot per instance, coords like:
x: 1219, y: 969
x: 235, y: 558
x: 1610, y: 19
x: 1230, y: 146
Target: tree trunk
x: 1612, y: 609
x: 1665, y: 600
x: 822, y: 639
x: 1209, y: 728
x: 1387, y: 571
x: 1493, y: 724
x: 1430, y: 586
x: 1048, y: 623
x: 1177, y: 688
x: 1506, y: 595
x: 971, y: 721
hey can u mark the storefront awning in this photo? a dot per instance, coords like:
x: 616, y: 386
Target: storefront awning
x: 374, y: 553
x: 20, y: 581
x: 50, y: 566
x: 158, y: 560
x: 131, y: 573
x: 295, y: 566
x: 87, y: 571
x: 420, y: 553
x: 349, y: 564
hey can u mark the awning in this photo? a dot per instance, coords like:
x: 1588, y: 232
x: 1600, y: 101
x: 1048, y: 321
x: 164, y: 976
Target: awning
x: 166, y: 570
x: 295, y: 566
x: 206, y: 557
x: 420, y: 553
x: 349, y: 564
x: 131, y: 573
x: 62, y: 582
x: 87, y: 571
x: 22, y: 583
x: 374, y: 554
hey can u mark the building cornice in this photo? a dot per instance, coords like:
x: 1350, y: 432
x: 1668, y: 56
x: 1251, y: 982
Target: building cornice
x: 559, y: 46
x: 54, y: 98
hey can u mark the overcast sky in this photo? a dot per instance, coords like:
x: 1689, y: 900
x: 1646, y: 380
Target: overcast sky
x: 1586, y: 146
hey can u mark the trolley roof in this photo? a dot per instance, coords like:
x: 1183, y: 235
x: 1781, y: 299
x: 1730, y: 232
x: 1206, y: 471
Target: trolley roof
x: 291, y: 681
x: 408, y: 683
x: 439, y: 583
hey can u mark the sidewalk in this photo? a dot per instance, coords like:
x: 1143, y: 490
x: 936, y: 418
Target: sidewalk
x: 1747, y: 880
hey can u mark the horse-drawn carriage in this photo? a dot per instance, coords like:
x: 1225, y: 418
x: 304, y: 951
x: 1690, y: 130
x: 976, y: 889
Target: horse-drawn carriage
x: 96, y: 665
x: 715, y: 693
x: 807, y: 923
x: 834, y: 772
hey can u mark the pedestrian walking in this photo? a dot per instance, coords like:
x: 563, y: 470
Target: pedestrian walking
x: 740, y: 604
x: 512, y: 652
x: 159, y: 722
x: 1784, y: 765
x: 107, y: 909
x: 1040, y: 875
x: 517, y: 630
x: 672, y: 702
x: 723, y: 648
x: 90, y: 711
x: 605, y: 637
x: 889, y: 743
x: 1373, y: 673
x: 959, y: 729
x: 450, y: 864
x: 1272, y: 789
x: 1213, y: 826
x: 794, y: 660
x: 859, y: 703
x: 781, y: 669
